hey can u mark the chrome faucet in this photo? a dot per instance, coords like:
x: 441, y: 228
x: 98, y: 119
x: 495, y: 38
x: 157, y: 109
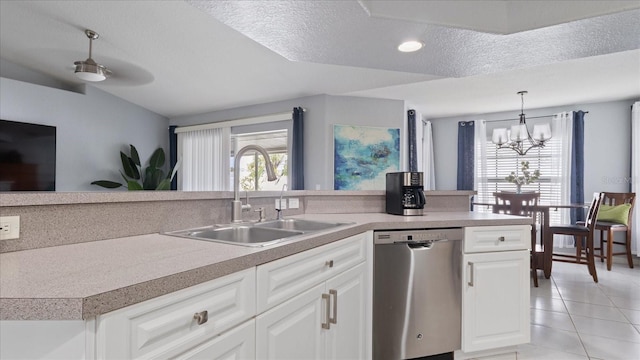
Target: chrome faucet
x: 279, y: 209
x: 236, y: 205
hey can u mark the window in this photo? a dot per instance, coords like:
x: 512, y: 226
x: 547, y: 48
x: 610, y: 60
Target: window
x: 207, y: 153
x: 252, y: 177
x: 501, y: 162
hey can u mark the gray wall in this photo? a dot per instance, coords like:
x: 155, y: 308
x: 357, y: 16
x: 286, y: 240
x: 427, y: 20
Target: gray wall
x: 322, y: 112
x: 607, y: 144
x: 91, y: 129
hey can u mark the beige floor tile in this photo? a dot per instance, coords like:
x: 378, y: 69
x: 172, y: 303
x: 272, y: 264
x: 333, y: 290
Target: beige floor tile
x: 554, y: 339
x: 606, y: 329
x: 551, y: 319
x: 609, y: 349
x: 595, y: 311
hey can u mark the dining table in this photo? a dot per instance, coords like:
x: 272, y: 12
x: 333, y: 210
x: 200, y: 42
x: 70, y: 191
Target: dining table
x: 542, y: 252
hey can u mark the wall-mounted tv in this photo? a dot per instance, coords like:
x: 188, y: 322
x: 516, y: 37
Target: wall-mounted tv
x: 27, y: 157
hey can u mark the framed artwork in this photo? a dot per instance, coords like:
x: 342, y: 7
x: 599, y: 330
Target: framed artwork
x: 363, y: 155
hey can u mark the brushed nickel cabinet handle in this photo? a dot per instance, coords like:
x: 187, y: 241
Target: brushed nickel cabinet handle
x: 326, y: 325
x: 201, y: 317
x: 329, y: 263
x: 470, y: 283
x: 334, y: 319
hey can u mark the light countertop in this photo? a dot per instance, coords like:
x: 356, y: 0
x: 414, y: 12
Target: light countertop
x: 81, y: 281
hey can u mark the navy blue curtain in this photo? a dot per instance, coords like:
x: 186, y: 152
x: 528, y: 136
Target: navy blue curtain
x: 296, y: 169
x: 173, y: 154
x: 466, y: 145
x: 413, y: 152
x: 577, y: 166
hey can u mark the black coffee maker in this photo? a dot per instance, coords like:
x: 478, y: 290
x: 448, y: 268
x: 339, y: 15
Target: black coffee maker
x: 405, y: 193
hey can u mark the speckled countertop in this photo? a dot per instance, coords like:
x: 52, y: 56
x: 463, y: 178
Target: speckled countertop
x: 81, y: 281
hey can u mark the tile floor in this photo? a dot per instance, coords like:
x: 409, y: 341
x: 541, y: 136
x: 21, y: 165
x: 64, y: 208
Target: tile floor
x: 574, y: 318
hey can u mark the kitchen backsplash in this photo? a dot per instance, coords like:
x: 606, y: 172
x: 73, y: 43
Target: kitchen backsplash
x: 53, y: 219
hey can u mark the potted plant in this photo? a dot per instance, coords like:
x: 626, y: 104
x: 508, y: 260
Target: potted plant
x: 526, y: 177
x: 152, y: 178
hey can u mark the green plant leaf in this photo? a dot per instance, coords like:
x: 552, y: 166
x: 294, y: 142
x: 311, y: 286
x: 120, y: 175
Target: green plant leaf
x: 129, y: 167
x: 152, y: 178
x: 107, y: 184
x: 157, y: 159
x: 134, y: 185
x: 164, y: 185
x: 134, y: 155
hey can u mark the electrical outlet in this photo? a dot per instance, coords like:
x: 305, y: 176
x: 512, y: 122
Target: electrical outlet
x: 9, y: 227
x: 284, y: 204
x: 294, y: 203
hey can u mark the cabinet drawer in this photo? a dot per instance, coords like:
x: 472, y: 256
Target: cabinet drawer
x: 282, y: 279
x: 497, y: 238
x: 167, y: 325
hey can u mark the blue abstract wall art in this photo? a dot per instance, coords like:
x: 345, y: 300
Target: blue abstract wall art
x: 363, y: 155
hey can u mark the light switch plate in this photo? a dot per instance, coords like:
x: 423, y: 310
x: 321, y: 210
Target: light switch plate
x: 294, y: 203
x: 9, y: 227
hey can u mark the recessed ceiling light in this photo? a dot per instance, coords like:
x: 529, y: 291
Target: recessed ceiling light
x: 410, y: 46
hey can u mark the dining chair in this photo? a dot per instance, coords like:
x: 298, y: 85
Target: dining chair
x: 583, y: 236
x: 521, y: 204
x: 619, y: 220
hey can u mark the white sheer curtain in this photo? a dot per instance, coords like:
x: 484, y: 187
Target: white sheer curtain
x: 562, y: 126
x: 635, y: 173
x: 428, y: 158
x: 205, y: 159
x: 480, y: 172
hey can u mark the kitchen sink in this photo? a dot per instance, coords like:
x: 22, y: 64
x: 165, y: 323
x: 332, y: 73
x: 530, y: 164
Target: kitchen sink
x: 255, y: 234
x: 238, y: 234
x: 298, y: 225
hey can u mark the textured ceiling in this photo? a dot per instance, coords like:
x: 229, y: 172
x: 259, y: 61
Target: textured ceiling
x: 175, y: 59
x: 343, y: 33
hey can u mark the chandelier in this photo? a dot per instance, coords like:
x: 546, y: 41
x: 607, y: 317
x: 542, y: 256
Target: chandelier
x: 519, y: 139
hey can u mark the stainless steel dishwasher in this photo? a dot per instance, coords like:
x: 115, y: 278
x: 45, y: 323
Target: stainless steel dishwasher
x: 417, y: 293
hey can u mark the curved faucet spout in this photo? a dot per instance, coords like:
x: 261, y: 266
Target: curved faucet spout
x: 271, y: 172
x: 237, y: 206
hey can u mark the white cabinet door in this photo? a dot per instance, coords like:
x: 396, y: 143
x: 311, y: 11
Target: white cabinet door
x: 238, y: 343
x: 495, y: 301
x: 346, y: 338
x: 293, y: 329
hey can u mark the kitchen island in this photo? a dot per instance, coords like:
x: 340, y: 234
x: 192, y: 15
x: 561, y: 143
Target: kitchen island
x: 64, y: 295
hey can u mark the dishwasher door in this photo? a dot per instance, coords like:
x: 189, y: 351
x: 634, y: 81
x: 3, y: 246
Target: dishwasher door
x: 417, y: 293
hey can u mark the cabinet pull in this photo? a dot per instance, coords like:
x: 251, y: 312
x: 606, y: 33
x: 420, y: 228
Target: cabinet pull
x: 470, y: 283
x: 334, y: 319
x: 326, y: 325
x: 501, y: 238
x: 201, y: 317
x: 329, y: 263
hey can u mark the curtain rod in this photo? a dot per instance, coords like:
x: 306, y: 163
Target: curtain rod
x: 532, y: 117
x: 238, y: 122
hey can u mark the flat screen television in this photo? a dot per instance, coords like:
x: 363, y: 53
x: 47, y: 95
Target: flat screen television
x: 27, y: 157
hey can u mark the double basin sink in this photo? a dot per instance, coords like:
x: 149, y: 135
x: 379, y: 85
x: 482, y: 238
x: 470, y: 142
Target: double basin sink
x: 256, y: 234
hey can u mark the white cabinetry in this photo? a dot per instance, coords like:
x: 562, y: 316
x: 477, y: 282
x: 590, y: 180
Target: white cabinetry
x: 176, y: 323
x: 317, y: 303
x: 495, y: 287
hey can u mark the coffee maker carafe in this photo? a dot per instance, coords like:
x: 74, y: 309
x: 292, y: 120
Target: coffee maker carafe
x: 405, y: 193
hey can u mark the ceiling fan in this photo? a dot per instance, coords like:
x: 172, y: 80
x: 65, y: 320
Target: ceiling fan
x: 89, y: 70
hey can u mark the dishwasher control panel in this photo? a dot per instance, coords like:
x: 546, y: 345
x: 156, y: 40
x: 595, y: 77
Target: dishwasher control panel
x: 416, y: 235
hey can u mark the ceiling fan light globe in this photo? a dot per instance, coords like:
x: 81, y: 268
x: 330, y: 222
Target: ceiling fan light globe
x: 91, y: 71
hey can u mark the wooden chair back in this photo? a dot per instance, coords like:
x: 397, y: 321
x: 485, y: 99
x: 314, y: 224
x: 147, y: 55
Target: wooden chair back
x: 610, y: 198
x: 592, y: 213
